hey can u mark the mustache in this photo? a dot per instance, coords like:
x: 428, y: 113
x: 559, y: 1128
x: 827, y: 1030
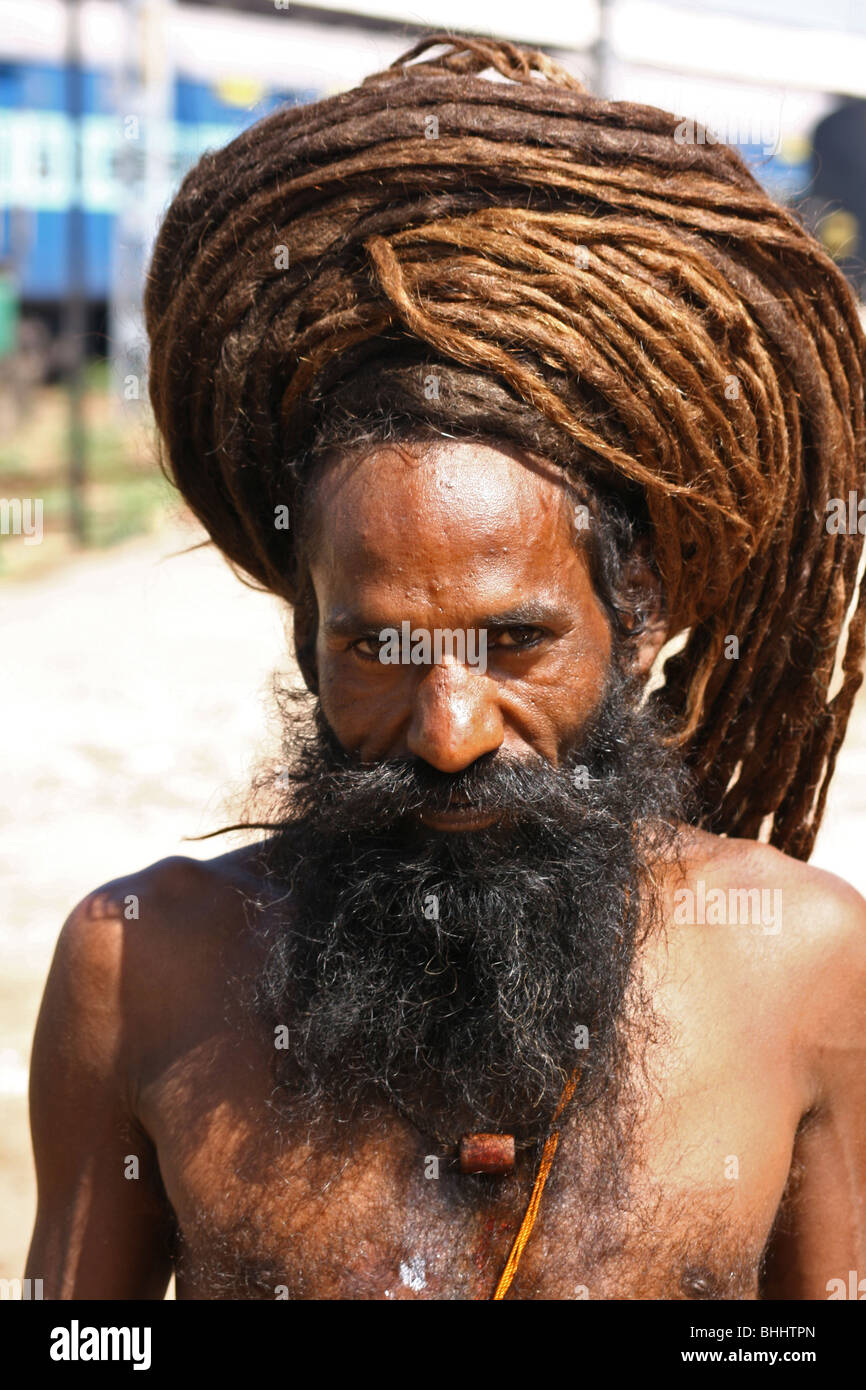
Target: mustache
x: 337, y: 794
x: 381, y: 795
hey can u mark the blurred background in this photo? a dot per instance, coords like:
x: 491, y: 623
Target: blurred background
x: 137, y: 668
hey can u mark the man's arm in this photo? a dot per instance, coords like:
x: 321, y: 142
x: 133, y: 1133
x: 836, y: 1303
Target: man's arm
x: 102, y: 1225
x: 818, y: 1248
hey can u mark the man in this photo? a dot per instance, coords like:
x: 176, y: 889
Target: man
x: 537, y: 387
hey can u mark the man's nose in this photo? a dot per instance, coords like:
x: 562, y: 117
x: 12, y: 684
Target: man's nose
x: 455, y: 717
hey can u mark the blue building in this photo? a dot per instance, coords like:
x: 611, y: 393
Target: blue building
x: 36, y: 165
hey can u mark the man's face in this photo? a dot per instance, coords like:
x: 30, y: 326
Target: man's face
x: 454, y: 536
x: 460, y: 881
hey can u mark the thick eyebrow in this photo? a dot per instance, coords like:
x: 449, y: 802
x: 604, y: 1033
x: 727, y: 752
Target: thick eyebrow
x: 530, y: 613
x: 347, y: 622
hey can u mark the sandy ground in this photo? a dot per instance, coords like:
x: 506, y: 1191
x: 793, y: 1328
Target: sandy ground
x: 134, y: 696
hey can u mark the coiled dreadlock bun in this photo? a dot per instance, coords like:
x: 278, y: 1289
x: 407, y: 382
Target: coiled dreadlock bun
x: 576, y: 278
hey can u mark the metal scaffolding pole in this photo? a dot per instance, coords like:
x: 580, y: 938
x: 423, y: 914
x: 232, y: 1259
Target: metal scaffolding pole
x: 602, y: 51
x: 144, y: 104
x: 74, y: 316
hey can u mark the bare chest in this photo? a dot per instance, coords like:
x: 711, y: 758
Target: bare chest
x: 683, y: 1210
x: 407, y: 1243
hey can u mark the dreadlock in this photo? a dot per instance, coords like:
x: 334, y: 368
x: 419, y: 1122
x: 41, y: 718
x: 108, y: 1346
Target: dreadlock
x: 435, y: 251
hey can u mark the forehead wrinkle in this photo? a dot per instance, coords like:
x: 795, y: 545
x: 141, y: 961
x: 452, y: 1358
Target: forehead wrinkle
x: 468, y: 495
x: 429, y: 564
x: 459, y: 589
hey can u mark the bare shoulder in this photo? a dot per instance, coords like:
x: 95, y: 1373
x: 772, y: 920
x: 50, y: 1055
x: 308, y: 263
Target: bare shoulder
x: 819, y: 903
x: 131, y: 947
x: 800, y: 928
x: 175, y: 894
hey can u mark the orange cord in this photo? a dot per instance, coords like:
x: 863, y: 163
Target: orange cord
x: 544, y: 1167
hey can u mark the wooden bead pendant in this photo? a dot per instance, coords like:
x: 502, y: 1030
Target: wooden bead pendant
x: 487, y: 1153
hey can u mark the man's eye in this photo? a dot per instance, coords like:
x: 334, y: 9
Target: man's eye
x: 516, y: 637
x: 369, y: 646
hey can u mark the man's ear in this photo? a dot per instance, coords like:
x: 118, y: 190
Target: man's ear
x: 647, y: 599
x: 306, y: 627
